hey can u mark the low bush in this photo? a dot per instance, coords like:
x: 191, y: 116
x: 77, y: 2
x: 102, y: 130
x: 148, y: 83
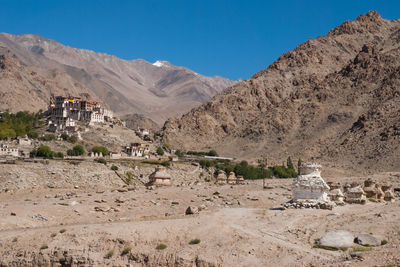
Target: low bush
x: 194, y: 241
x: 63, y: 231
x: 161, y: 246
x: 126, y: 250
x: 44, y: 246
x: 109, y: 254
x: 155, y: 162
x: 48, y: 137
x: 114, y: 168
x: 160, y: 151
x: 101, y: 160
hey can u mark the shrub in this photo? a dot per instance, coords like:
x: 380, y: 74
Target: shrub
x: 167, y: 146
x: 63, y: 231
x: 53, y: 235
x: 109, y: 254
x: 100, y: 149
x: 44, y: 246
x: 114, y: 168
x: 59, y: 155
x: 126, y: 250
x: 72, y: 139
x: 161, y: 246
x: 42, y: 151
x: 32, y: 134
x: 101, y: 160
x: 129, y: 176
x: 179, y: 153
x: 160, y: 151
x: 64, y: 136
x: 384, y: 242
x: 48, y: 137
x: 194, y: 241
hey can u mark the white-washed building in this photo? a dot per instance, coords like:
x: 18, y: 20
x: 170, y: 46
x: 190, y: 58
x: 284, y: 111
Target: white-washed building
x: 65, y: 111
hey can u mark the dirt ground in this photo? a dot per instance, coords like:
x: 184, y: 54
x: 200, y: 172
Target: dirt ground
x: 110, y: 223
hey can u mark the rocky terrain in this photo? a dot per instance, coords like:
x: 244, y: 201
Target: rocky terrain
x: 84, y: 214
x: 335, y: 98
x: 42, y: 66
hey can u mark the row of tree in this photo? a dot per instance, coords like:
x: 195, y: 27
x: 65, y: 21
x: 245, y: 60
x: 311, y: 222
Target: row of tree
x: 77, y: 150
x: 19, y: 124
x: 252, y: 172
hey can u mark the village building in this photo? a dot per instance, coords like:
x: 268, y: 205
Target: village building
x: 137, y: 150
x: 7, y: 151
x: 143, y: 133
x: 160, y: 177
x: 66, y: 111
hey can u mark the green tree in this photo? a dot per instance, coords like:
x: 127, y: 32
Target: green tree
x: 100, y: 149
x: 77, y: 150
x: 289, y: 163
x: 299, y: 165
x: 160, y: 151
x: 43, y: 151
x: 212, y: 153
x: 64, y: 136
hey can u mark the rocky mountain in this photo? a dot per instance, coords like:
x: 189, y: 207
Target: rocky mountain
x: 332, y: 99
x: 136, y: 121
x: 157, y: 90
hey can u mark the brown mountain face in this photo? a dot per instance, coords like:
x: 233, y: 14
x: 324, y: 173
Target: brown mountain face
x: 332, y: 99
x: 136, y: 121
x: 158, y: 90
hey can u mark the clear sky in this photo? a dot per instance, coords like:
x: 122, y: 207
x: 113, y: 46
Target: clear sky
x: 230, y: 38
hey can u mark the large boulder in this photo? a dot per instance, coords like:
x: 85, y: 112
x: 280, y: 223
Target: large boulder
x: 365, y: 239
x: 337, y: 239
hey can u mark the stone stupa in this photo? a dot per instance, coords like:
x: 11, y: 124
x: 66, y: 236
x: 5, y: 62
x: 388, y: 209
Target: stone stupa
x: 309, y: 189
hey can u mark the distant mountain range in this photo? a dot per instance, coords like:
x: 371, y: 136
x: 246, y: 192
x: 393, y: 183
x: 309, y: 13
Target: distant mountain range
x: 32, y: 67
x: 332, y: 99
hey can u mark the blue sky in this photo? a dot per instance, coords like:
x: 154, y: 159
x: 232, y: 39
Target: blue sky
x: 230, y: 38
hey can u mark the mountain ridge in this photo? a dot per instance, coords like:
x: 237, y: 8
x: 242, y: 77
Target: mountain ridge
x: 296, y: 107
x: 126, y: 86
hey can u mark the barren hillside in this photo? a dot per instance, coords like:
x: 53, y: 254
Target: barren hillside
x: 333, y: 99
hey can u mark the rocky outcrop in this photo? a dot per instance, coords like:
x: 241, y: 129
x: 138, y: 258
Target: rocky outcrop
x: 334, y: 98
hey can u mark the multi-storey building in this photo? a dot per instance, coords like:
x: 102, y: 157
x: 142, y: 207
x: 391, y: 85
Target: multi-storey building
x: 65, y: 111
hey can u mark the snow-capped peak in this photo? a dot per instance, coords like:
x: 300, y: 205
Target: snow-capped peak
x: 159, y: 64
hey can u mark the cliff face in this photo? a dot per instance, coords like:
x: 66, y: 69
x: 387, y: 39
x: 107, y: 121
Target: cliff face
x: 157, y: 90
x: 333, y: 98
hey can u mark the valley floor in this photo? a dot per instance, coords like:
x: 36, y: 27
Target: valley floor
x: 113, y: 224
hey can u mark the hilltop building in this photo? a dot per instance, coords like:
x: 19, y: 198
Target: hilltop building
x: 66, y: 111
